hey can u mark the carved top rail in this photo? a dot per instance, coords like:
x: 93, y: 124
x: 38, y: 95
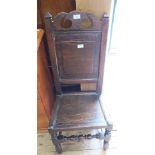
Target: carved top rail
x: 75, y: 20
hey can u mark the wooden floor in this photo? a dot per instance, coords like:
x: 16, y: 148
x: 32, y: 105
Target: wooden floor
x: 85, y: 147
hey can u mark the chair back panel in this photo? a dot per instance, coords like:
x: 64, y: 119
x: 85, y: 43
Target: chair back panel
x: 77, y: 44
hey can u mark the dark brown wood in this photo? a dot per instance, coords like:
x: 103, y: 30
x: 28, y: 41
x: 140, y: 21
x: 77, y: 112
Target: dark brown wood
x: 73, y: 62
x: 76, y: 20
x: 45, y: 93
x: 80, y: 137
x: 76, y: 111
x: 107, y: 136
x: 105, y: 26
x: 56, y: 142
x: 51, y: 46
x: 65, y: 81
x: 77, y: 45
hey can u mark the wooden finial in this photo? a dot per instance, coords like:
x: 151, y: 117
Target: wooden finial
x: 47, y: 15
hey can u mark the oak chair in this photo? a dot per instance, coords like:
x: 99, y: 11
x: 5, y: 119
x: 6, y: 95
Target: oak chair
x: 77, y: 45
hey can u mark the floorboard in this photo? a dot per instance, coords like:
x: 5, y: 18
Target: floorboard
x: 85, y: 147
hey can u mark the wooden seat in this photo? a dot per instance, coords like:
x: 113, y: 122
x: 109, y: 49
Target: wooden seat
x: 77, y: 44
x: 76, y: 111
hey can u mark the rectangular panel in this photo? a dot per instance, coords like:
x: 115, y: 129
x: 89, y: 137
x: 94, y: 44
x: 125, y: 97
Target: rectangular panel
x: 78, y: 55
x: 77, y: 60
x: 88, y: 86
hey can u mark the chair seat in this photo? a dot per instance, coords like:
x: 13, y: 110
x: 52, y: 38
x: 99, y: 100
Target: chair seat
x: 77, y: 111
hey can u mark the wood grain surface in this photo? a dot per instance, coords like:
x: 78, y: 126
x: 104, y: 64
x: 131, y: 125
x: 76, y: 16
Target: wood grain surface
x: 45, y: 91
x: 77, y: 53
x: 78, y: 111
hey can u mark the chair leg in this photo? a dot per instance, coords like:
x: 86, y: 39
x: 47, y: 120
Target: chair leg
x: 55, y: 142
x: 58, y: 148
x: 107, y: 136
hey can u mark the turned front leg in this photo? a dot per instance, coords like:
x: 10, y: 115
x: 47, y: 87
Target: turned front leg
x: 55, y: 142
x: 107, y: 136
